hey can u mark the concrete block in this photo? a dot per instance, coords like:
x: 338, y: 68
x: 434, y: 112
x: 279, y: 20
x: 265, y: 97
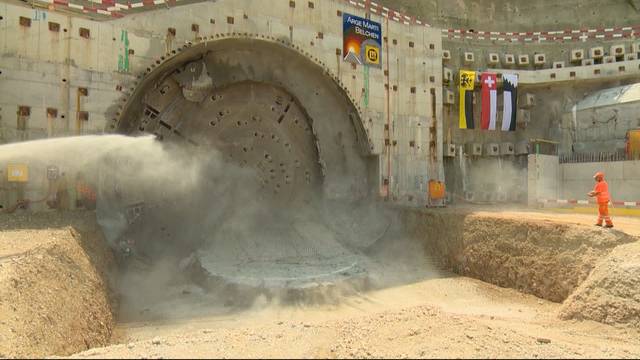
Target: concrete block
x: 523, y: 117
x: 632, y: 57
x: 635, y: 48
x: 522, y: 148
x: 523, y: 60
x: 528, y: 101
x: 470, y: 196
x: 596, y: 52
x: 539, y: 59
x: 494, y: 59
x: 473, y: 149
x: 450, y: 150
x: 617, y: 50
x: 608, y: 59
x: 558, y: 64
x: 448, y: 97
x: 492, y: 149
x: 509, y: 59
x: 577, y: 55
x: 469, y: 58
x: 586, y: 62
x: 507, y: 149
x: 447, y: 76
x: 446, y: 55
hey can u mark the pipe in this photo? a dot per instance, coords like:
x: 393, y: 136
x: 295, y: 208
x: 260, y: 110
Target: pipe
x: 78, y: 121
x: 388, y: 93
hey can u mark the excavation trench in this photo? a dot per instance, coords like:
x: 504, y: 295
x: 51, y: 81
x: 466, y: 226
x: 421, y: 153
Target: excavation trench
x: 544, y: 258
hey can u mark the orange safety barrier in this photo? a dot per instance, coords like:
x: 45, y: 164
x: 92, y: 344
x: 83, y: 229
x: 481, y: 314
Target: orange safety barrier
x: 436, y: 190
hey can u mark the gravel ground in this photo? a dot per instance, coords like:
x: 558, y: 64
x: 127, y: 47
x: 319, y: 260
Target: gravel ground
x: 387, y: 324
x: 53, y: 292
x: 611, y: 294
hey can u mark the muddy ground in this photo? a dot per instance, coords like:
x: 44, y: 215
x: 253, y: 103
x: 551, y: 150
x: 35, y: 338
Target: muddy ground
x: 423, y: 309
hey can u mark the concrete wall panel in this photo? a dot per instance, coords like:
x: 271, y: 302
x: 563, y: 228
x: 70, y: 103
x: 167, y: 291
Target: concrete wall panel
x: 623, y: 178
x: 631, y: 170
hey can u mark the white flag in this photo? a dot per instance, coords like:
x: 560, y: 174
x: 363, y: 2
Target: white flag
x: 510, y: 99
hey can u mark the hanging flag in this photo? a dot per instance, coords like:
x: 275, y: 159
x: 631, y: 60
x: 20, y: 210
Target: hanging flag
x: 510, y: 99
x: 489, y: 101
x: 467, y: 82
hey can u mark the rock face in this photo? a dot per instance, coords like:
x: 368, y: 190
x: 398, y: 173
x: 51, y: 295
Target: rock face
x: 611, y: 293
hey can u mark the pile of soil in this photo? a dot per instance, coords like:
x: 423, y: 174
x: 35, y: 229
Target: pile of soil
x: 611, y: 294
x: 54, y: 294
x: 540, y: 257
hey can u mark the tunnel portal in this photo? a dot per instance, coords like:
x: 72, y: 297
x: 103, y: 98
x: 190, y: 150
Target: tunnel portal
x: 272, y: 112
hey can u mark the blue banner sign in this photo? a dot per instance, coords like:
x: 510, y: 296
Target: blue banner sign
x: 362, y: 41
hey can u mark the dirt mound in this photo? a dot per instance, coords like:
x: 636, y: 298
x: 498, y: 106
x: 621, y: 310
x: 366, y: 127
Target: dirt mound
x: 544, y: 258
x: 611, y: 294
x: 53, y: 291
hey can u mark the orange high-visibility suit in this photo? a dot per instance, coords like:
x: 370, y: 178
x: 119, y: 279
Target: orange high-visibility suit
x: 601, y: 193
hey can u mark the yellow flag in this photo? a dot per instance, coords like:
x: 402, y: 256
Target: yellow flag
x: 467, y: 80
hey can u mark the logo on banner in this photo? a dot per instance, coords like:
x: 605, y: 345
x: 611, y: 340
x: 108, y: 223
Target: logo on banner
x: 373, y: 54
x: 362, y: 41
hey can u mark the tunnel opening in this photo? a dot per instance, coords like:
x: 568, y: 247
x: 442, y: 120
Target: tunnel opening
x: 270, y: 167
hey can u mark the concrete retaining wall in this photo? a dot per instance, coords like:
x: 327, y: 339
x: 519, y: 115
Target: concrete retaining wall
x: 548, y: 179
x: 543, y: 178
x: 623, y: 178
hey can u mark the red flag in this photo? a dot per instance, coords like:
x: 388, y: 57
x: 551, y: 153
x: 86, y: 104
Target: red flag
x: 489, y: 101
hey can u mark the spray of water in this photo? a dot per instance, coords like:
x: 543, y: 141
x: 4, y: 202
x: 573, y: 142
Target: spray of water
x: 201, y: 218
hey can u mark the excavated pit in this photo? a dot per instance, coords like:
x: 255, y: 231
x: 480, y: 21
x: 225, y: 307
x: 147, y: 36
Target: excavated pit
x: 53, y: 259
x: 541, y: 257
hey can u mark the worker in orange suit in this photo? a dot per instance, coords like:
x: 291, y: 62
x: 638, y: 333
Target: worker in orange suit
x: 601, y: 193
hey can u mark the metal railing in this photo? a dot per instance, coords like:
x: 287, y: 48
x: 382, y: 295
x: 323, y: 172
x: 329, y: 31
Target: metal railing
x: 596, y: 157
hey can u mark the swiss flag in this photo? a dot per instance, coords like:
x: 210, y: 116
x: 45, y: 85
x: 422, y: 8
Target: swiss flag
x: 489, y: 101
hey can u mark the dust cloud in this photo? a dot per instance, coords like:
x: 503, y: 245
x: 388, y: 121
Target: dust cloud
x: 498, y: 180
x: 195, y: 232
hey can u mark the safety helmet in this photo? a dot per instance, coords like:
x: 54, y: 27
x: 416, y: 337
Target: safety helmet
x: 599, y: 174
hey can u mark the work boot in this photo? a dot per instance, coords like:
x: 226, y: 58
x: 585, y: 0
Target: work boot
x: 599, y: 225
x: 609, y: 226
